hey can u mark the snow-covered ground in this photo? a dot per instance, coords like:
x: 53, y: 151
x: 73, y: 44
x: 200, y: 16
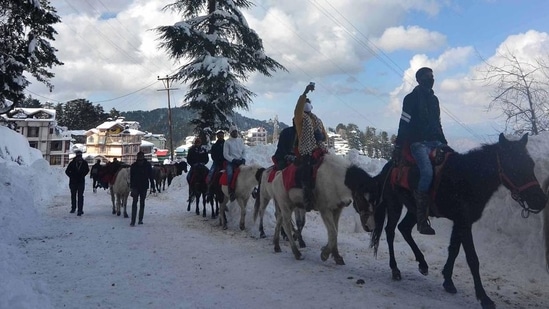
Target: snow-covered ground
x: 53, y: 259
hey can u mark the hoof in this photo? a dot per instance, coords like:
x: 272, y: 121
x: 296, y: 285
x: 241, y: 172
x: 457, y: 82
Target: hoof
x: 277, y: 249
x: 262, y: 235
x: 126, y: 216
x: 118, y: 214
x: 224, y: 227
x: 396, y: 275
x: 324, y: 255
x: 242, y: 227
x: 449, y: 287
x: 339, y: 260
x: 424, y: 270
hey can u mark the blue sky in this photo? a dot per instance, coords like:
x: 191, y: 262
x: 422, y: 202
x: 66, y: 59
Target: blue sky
x: 361, y: 54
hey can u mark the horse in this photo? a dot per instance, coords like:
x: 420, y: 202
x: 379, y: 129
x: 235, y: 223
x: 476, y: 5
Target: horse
x: 264, y: 196
x: 338, y: 184
x: 464, y: 187
x: 198, y: 187
x: 246, y: 180
x: 120, y: 190
x: 159, y: 175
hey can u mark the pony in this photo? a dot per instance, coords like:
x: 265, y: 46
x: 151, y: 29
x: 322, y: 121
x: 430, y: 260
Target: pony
x: 464, y: 186
x: 198, y: 187
x: 120, y: 190
x: 264, y: 196
x: 246, y: 180
x: 159, y: 175
x: 338, y: 184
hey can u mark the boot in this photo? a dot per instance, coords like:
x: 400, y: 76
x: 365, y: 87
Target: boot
x: 307, y: 184
x: 73, y: 210
x: 422, y: 207
x: 232, y: 195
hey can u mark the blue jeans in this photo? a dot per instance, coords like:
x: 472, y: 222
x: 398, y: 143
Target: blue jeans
x: 229, y: 170
x: 211, y: 172
x: 420, y: 151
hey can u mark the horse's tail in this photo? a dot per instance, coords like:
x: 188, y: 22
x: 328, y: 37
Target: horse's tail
x: 258, y: 177
x: 379, y: 217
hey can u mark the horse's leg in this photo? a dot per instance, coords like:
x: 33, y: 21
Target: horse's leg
x: 276, y: 236
x: 125, y: 203
x: 203, y: 194
x: 264, y: 201
x: 405, y: 227
x: 299, y: 214
x: 242, y: 203
x: 328, y: 216
x: 472, y: 261
x: 113, y: 201
x: 287, y: 224
x: 197, y: 203
x: 222, y: 209
x: 393, y: 215
x: 190, y: 199
x: 453, y: 251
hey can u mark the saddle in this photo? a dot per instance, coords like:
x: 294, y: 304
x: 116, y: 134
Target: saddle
x: 292, y: 176
x: 223, y: 178
x: 406, y: 173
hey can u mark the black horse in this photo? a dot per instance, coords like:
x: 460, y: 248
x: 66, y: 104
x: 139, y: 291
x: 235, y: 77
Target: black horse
x: 467, y: 183
x: 198, y: 187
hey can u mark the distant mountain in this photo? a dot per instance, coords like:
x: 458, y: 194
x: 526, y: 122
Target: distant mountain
x: 156, y: 121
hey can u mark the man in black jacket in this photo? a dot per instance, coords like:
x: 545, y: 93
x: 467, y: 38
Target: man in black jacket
x: 94, y: 174
x: 284, y: 153
x: 140, y: 176
x: 218, y: 159
x: 197, y: 155
x: 77, y: 171
x: 421, y: 130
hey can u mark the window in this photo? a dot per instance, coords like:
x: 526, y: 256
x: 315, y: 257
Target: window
x: 33, y: 145
x: 102, y: 149
x: 90, y: 139
x: 55, y: 160
x: 32, y: 132
x: 56, y: 146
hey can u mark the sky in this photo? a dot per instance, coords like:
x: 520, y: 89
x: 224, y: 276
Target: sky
x: 362, y: 55
x: 50, y: 258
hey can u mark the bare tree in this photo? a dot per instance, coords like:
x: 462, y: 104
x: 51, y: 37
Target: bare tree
x: 520, y: 91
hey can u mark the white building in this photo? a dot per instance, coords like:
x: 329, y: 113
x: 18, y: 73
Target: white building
x: 255, y: 136
x: 40, y: 127
x: 340, y: 145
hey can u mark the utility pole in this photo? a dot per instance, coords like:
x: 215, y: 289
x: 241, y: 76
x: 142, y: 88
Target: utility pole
x: 166, y: 81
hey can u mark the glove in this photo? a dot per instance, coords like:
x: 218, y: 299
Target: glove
x: 235, y: 161
x: 319, y: 136
x: 289, y: 158
x: 242, y: 161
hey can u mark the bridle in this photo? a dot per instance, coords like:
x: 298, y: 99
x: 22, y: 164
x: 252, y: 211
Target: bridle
x: 517, y: 190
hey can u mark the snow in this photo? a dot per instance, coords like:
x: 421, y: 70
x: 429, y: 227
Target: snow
x: 53, y: 259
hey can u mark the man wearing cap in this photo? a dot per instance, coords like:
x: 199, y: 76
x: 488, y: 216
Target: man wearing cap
x: 234, y: 152
x: 197, y: 155
x: 218, y: 159
x: 420, y: 129
x: 311, y: 137
x: 77, y: 171
x: 140, y: 176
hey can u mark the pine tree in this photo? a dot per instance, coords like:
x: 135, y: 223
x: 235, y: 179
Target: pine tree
x: 222, y: 51
x: 81, y: 114
x: 25, y: 34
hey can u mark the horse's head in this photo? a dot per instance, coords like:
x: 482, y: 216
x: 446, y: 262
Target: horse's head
x: 181, y: 167
x: 363, y: 188
x: 516, y: 173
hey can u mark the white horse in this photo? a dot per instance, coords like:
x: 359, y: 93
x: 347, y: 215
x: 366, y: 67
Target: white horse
x: 264, y: 196
x: 121, y: 190
x: 246, y: 180
x: 337, y: 183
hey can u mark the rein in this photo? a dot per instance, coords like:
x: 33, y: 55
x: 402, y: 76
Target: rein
x: 516, y: 190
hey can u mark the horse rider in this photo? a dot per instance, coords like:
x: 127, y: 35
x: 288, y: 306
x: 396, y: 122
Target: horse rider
x: 197, y: 154
x: 77, y: 170
x: 234, y: 152
x: 140, y: 176
x: 421, y: 130
x: 285, y: 153
x: 311, y: 138
x: 218, y: 159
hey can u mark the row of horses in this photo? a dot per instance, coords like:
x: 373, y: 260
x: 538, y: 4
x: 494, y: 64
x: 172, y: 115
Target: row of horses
x: 464, y: 186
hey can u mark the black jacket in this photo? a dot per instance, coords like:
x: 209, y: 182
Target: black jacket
x: 77, y: 171
x: 197, y: 155
x: 420, y: 119
x: 286, y: 143
x: 217, y: 152
x: 140, y: 175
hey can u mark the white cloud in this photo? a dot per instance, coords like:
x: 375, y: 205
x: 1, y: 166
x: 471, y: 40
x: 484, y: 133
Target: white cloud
x: 396, y: 38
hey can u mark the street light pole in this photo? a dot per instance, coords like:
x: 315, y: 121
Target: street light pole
x: 166, y: 81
